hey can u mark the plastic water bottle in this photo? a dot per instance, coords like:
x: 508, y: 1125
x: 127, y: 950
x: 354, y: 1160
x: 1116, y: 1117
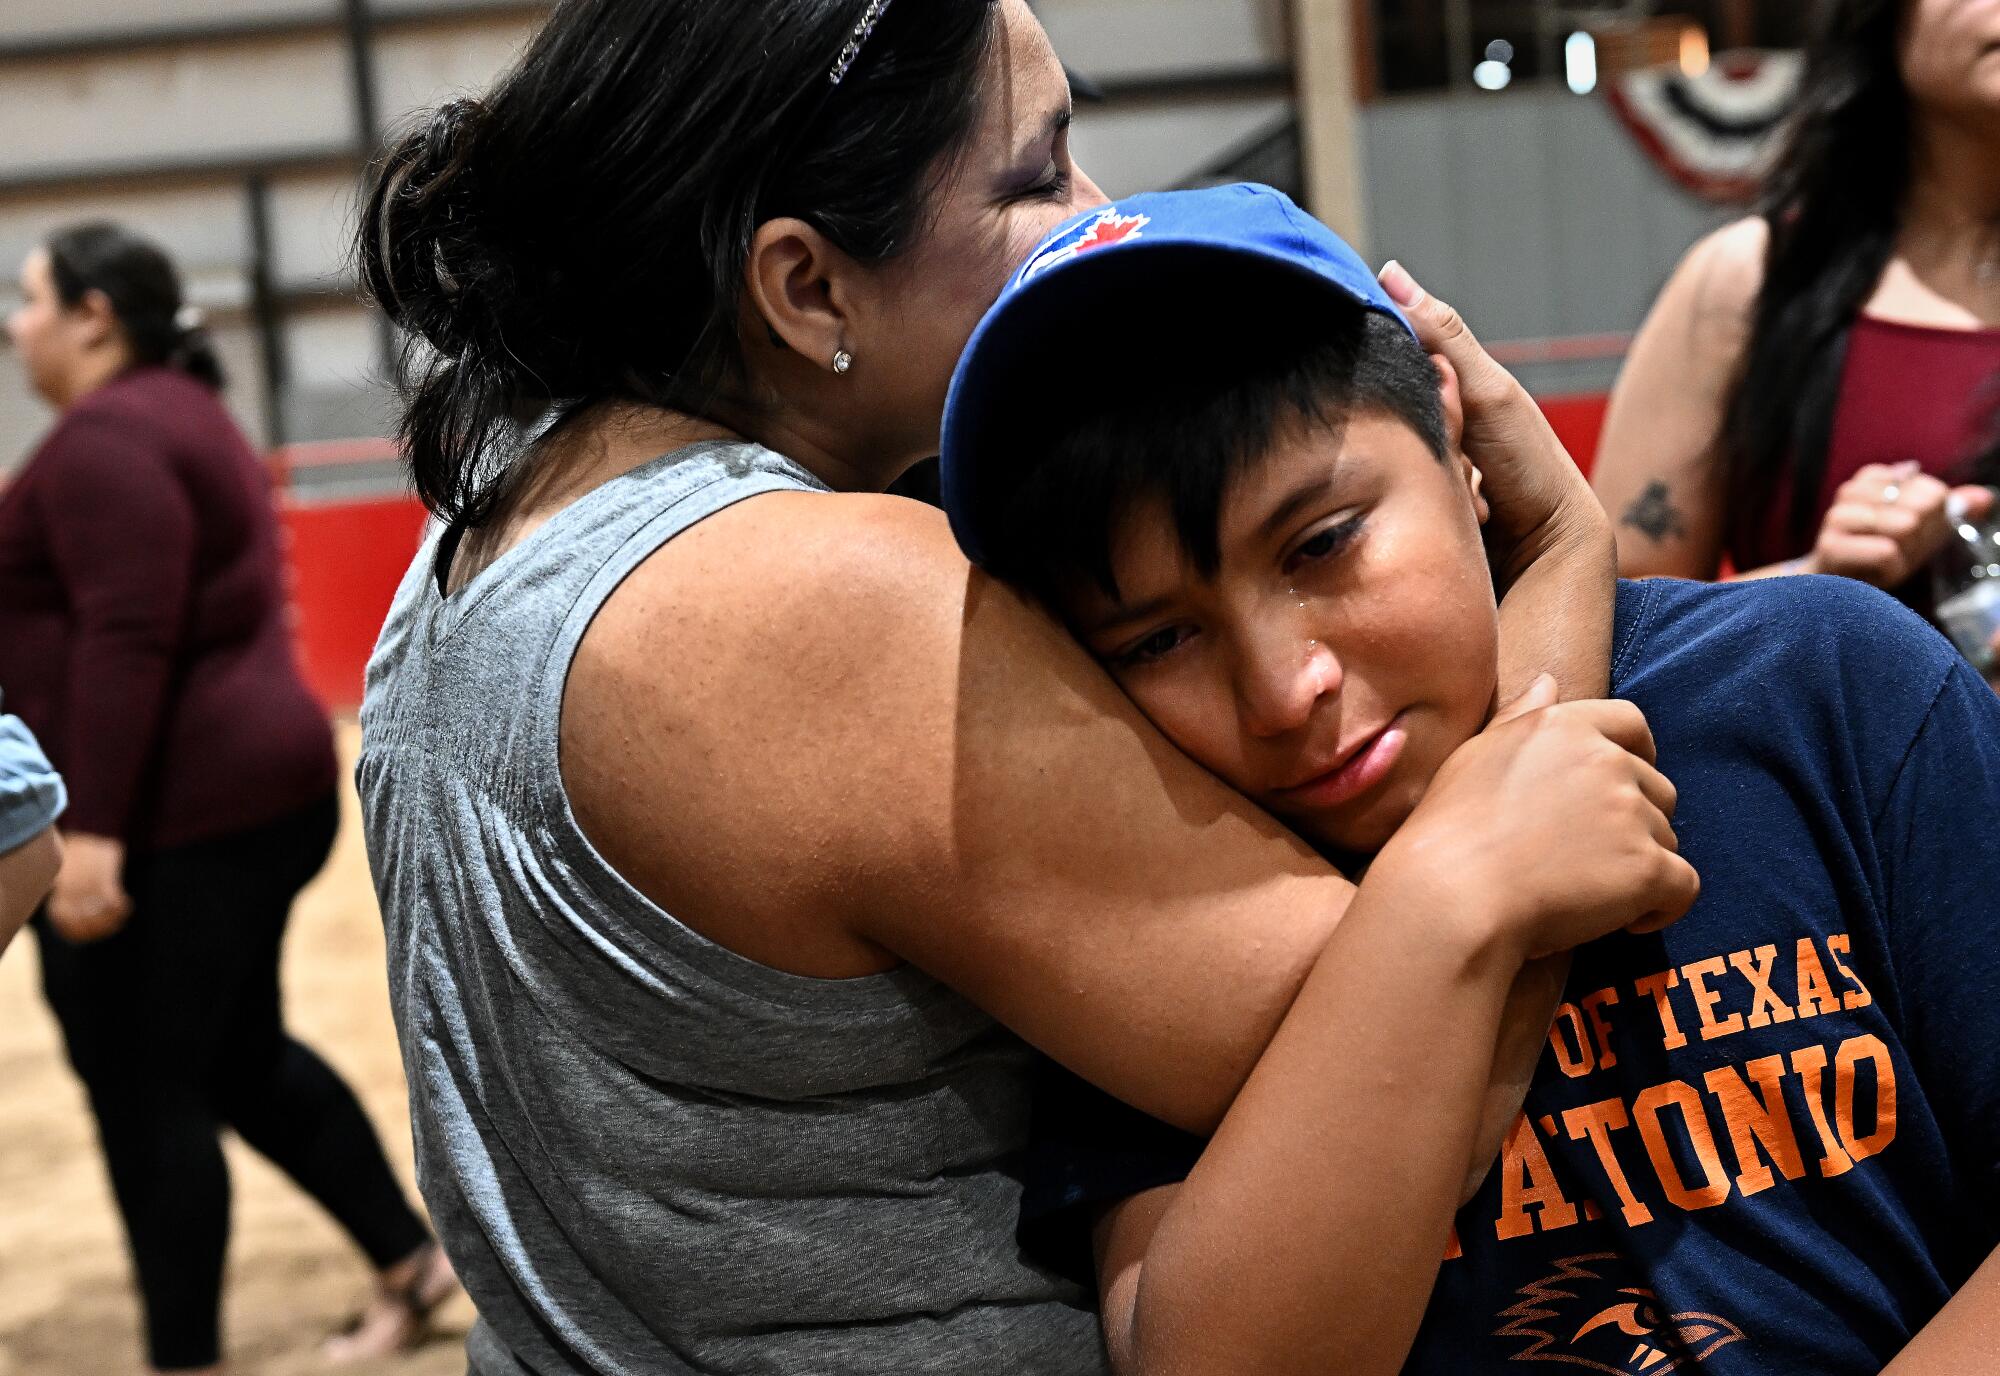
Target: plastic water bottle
x: 1966, y: 577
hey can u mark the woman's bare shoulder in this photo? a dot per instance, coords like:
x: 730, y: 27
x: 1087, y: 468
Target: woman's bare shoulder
x: 1721, y: 275
x: 816, y: 578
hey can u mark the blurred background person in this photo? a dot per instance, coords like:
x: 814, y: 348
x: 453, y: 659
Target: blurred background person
x: 31, y: 798
x: 1815, y: 378
x: 143, y: 636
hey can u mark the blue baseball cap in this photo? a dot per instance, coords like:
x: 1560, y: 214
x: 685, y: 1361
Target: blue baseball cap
x: 1250, y: 244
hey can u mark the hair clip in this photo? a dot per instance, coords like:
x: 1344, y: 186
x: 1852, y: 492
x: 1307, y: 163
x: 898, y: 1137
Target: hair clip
x: 869, y: 19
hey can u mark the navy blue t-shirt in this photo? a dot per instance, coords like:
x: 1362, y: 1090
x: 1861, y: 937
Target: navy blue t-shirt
x: 1767, y: 1139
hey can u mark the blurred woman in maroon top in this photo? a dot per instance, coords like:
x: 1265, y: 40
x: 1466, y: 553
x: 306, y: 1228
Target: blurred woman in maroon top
x: 143, y: 638
x: 1816, y: 377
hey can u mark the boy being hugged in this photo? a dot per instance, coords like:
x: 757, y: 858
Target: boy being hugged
x: 1765, y: 1139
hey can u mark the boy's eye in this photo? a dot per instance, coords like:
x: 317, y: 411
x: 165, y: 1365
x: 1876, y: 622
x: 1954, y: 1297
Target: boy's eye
x: 1152, y: 648
x: 1324, y: 544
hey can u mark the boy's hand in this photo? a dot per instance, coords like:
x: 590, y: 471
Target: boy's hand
x: 1552, y: 826
x: 1538, y: 495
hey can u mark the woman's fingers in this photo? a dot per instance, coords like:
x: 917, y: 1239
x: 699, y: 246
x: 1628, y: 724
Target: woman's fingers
x: 1441, y: 330
x: 1530, y: 483
x: 1974, y: 503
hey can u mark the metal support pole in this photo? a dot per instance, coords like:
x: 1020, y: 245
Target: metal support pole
x: 368, y: 135
x: 1459, y: 59
x: 266, y: 311
x: 1329, y: 84
x: 361, y: 73
x: 1739, y: 25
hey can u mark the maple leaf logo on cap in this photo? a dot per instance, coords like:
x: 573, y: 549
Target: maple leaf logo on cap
x: 1106, y: 231
x: 1111, y: 228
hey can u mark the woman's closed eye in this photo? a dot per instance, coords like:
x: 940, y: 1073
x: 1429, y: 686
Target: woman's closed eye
x: 1052, y: 185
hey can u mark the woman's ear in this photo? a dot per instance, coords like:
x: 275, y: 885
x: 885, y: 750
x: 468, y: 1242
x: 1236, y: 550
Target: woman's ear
x: 796, y: 280
x: 96, y: 319
x: 1454, y: 434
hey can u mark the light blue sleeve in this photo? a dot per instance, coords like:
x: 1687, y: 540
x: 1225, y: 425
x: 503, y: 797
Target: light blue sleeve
x: 31, y: 793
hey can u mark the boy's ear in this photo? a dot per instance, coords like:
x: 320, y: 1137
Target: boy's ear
x: 1454, y: 434
x: 1454, y: 401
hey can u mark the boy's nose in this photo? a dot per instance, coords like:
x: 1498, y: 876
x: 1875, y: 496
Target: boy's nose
x: 1281, y: 679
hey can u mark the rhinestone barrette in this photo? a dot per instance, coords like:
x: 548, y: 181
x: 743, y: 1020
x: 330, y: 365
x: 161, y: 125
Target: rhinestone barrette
x: 858, y: 40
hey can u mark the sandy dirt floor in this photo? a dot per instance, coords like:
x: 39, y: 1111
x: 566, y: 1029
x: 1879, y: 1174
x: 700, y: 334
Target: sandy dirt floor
x: 66, y: 1306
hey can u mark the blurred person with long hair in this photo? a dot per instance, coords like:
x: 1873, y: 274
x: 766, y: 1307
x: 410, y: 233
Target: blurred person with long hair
x: 1817, y: 378
x: 143, y: 636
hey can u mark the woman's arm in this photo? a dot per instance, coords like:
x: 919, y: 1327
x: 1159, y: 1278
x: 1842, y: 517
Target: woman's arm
x: 1658, y: 472
x: 1556, y: 563
x: 122, y: 535
x: 880, y: 755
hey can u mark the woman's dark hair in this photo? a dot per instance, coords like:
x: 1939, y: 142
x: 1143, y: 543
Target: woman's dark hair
x: 138, y: 279
x: 1833, y: 202
x: 580, y: 233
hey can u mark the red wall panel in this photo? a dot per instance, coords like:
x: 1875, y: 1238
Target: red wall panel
x: 346, y: 561
x: 348, y: 557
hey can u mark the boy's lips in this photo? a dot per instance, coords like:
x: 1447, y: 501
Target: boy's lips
x: 1360, y: 768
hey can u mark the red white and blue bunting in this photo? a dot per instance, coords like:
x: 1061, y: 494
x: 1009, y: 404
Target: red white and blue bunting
x: 1716, y: 133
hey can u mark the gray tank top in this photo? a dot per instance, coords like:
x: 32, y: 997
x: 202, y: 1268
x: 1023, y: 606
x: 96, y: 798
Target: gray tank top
x: 645, y: 1153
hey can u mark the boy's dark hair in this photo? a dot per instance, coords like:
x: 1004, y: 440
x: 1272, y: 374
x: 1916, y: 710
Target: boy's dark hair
x: 1181, y: 425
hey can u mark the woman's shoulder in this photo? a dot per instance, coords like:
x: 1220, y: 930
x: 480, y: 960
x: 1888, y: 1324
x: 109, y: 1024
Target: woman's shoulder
x: 143, y: 407
x: 846, y: 592
x: 1719, y: 277
x: 812, y: 554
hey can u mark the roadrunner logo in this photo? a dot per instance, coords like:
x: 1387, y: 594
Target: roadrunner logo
x: 1579, y: 1318
x: 1106, y: 230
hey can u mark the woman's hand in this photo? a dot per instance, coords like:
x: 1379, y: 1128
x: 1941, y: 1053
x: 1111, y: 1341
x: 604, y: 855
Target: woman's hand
x: 1554, y: 555
x: 1538, y: 495
x: 1886, y: 523
x: 89, y: 902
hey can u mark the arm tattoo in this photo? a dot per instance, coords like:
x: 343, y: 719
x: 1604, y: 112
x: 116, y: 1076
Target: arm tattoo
x: 1654, y: 515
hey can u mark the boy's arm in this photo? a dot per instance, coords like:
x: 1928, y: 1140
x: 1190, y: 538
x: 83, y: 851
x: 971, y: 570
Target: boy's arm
x: 1308, y: 1235
x: 1935, y: 837
x: 1964, y: 1338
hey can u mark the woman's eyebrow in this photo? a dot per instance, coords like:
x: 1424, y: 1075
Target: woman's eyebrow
x: 1052, y: 129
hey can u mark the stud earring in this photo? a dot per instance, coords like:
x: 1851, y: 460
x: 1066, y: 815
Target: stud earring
x: 842, y: 362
